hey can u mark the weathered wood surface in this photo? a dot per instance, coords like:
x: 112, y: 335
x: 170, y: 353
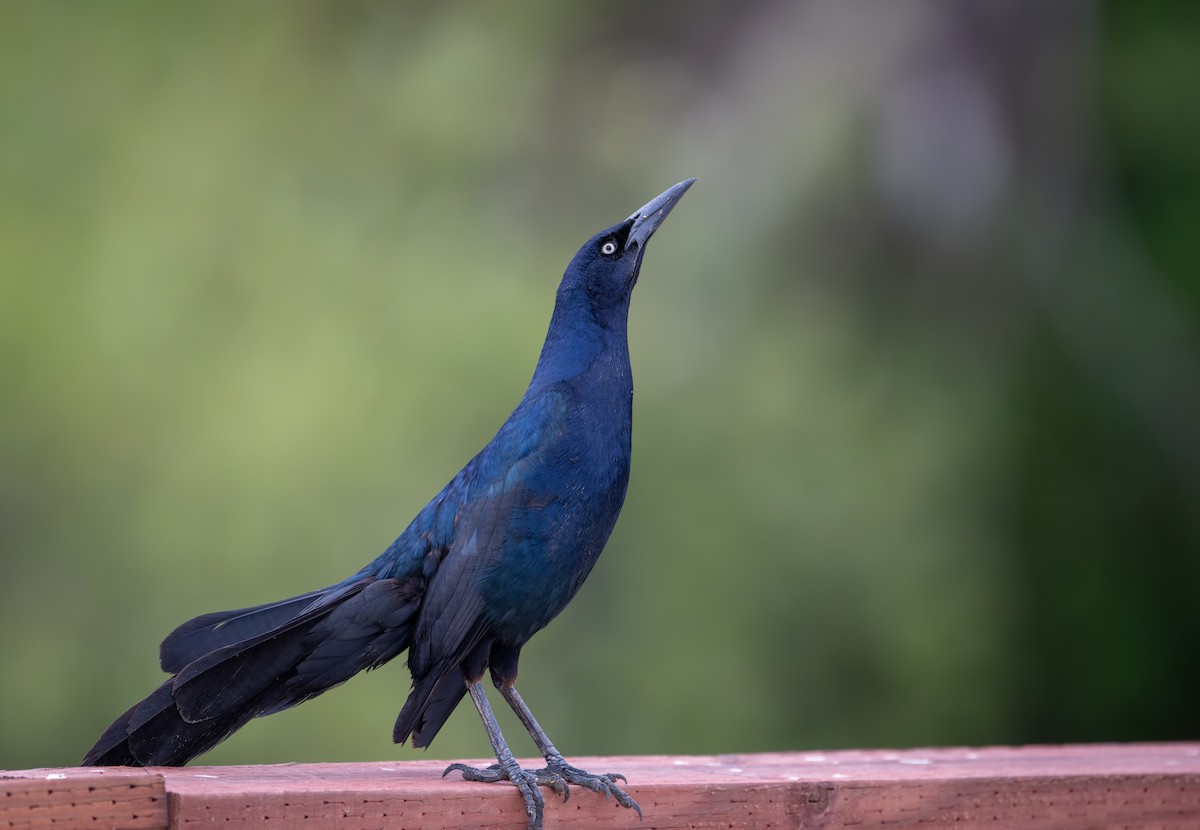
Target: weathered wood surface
x: 1100, y: 786
x: 71, y: 798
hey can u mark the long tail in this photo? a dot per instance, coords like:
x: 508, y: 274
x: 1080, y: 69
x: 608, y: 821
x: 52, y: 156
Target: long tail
x: 233, y: 666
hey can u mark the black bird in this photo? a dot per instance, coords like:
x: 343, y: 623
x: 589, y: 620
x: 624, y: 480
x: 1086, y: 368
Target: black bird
x: 496, y: 555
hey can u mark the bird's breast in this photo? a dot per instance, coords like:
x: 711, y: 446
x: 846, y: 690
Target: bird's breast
x: 563, y: 515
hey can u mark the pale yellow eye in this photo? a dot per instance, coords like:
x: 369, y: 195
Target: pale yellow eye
x: 608, y: 247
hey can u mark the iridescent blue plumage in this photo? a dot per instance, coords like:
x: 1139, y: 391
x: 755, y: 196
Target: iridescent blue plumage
x: 492, y: 558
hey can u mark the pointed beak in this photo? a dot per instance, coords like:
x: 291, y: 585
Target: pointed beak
x: 648, y: 217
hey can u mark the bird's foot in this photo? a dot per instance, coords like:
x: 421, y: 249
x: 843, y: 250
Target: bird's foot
x: 525, y: 781
x: 605, y: 784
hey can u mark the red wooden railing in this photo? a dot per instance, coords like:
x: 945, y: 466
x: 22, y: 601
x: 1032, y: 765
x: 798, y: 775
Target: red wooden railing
x: 1050, y: 787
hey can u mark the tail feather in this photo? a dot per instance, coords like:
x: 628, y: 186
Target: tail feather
x: 437, y: 689
x: 362, y: 633
x: 257, y: 669
x: 152, y: 733
x: 427, y: 709
x: 112, y: 749
x: 159, y: 736
x: 235, y: 676
x: 209, y: 632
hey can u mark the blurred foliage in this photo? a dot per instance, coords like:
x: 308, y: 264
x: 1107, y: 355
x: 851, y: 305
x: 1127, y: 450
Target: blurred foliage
x: 916, y: 446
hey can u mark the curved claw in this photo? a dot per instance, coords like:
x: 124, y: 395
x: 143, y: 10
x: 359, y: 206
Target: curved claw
x: 623, y: 798
x: 557, y: 775
x: 605, y: 784
x: 526, y: 782
x: 546, y: 778
x: 491, y: 774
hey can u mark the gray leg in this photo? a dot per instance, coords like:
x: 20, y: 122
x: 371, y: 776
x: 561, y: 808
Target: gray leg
x: 506, y: 768
x: 556, y: 765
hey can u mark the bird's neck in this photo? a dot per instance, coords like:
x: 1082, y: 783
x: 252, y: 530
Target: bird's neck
x: 581, y: 341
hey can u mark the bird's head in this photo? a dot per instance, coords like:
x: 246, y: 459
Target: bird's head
x: 606, y: 267
x: 591, y: 311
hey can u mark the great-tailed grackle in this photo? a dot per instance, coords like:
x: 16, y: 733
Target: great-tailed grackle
x: 485, y: 565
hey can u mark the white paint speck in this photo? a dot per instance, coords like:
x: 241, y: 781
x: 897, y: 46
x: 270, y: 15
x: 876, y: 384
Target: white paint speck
x: 814, y: 759
x: 735, y: 769
x: 791, y: 777
x: 54, y: 776
x: 915, y: 761
x: 681, y: 763
x: 839, y: 775
x: 205, y: 775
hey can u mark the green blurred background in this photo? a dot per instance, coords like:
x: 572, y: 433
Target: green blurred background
x: 917, y: 443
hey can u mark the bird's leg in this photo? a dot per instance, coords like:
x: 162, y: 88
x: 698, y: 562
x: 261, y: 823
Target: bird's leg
x: 605, y: 784
x: 506, y: 768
